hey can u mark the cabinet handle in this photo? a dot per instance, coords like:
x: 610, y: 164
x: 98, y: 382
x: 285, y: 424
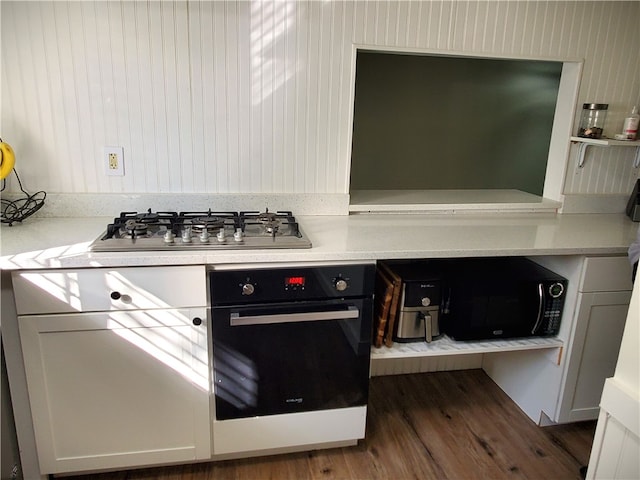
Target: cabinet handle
x: 197, y: 321
x: 115, y: 295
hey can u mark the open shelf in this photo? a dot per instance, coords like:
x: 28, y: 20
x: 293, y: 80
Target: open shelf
x: 605, y: 142
x: 449, y: 201
x: 446, y: 346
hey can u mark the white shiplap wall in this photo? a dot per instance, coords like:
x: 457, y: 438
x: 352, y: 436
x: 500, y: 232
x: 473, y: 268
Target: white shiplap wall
x: 255, y: 97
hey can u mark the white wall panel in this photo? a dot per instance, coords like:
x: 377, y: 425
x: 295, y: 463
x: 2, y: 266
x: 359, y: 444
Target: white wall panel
x: 254, y: 96
x: 399, y: 366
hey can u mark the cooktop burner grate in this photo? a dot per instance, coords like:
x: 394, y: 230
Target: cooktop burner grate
x: 137, y: 231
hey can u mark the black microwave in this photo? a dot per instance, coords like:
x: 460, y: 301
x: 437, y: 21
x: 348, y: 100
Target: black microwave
x: 503, y: 297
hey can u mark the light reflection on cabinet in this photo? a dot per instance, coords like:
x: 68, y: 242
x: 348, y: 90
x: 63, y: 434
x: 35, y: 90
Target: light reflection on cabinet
x: 116, y: 378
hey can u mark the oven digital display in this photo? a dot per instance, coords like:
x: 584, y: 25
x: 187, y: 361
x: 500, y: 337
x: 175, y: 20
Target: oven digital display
x: 294, y: 281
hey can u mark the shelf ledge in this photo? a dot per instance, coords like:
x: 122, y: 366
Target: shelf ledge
x: 605, y: 142
x: 446, y: 346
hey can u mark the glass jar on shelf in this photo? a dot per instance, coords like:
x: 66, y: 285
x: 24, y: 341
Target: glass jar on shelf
x: 592, y: 120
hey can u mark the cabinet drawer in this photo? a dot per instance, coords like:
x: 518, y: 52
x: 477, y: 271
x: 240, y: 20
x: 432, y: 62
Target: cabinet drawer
x: 104, y: 289
x: 606, y: 274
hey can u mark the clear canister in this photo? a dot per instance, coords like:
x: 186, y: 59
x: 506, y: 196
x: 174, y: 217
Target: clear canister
x: 592, y: 120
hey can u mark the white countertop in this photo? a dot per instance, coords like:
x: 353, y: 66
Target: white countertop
x: 62, y: 242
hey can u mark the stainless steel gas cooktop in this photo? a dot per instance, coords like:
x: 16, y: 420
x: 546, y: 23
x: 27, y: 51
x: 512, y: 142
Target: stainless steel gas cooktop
x: 133, y: 231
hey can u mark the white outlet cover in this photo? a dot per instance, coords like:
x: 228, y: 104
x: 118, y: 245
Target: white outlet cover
x: 118, y: 168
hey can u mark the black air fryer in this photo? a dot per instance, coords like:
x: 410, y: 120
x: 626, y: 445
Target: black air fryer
x: 420, y: 299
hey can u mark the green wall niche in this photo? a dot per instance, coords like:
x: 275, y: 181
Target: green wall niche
x: 434, y: 122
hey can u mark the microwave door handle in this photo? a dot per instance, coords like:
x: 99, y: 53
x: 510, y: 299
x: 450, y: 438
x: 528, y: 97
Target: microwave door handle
x: 237, y: 320
x: 540, y: 305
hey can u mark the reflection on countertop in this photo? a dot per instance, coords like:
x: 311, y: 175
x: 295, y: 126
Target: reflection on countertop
x: 63, y: 242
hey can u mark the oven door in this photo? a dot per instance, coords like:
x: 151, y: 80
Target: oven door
x: 290, y: 357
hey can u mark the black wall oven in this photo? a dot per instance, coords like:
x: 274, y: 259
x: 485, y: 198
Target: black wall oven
x: 290, y: 339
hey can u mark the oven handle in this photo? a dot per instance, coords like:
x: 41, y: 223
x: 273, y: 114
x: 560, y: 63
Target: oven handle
x: 236, y: 320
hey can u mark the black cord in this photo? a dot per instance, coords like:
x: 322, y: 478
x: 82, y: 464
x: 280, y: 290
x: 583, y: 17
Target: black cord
x: 21, y: 208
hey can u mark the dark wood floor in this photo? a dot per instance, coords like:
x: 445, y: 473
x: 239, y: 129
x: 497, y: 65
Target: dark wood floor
x: 442, y: 425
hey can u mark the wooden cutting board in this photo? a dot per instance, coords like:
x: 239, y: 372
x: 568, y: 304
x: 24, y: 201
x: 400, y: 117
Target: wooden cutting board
x: 388, y: 286
x: 395, y: 303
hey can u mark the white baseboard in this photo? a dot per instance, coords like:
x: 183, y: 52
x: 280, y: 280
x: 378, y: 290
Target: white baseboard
x: 399, y: 366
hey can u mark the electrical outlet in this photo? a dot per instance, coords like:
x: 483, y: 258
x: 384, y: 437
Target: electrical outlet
x: 114, y: 160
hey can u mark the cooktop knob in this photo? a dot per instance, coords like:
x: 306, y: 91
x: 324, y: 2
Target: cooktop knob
x: 248, y: 289
x: 169, y: 236
x: 341, y: 284
x: 220, y: 236
x: 238, y: 235
x: 186, y: 235
x: 204, y: 236
x: 426, y: 301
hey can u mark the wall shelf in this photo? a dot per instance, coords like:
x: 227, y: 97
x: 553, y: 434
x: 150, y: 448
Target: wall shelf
x: 583, y: 143
x: 446, y: 346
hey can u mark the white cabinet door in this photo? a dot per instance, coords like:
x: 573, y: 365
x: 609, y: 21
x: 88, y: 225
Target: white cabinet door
x: 600, y: 320
x: 118, y: 389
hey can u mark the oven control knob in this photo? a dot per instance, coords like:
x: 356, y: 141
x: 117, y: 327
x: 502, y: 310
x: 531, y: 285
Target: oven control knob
x: 426, y: 301
x: 248, y: 289
x: 341, y: 284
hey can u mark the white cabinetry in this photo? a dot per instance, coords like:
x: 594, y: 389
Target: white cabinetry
x: 568, y: 388
x: 617, y: 438
x: 117, y: 368
x: 601, y: 312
